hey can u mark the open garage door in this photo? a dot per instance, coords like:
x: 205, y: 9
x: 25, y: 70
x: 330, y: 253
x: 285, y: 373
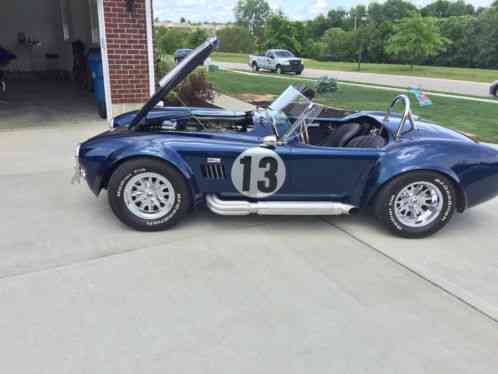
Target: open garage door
x: 50, y: 49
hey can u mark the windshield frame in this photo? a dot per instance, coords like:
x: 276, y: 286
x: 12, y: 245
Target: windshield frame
x: 296, y: 109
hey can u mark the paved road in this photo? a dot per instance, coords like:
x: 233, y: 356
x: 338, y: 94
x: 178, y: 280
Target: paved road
x: 428, y: 84
x: 80, y: 293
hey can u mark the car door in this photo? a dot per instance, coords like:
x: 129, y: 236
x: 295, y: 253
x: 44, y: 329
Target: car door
x: 298, y: 172
x: 327, y: 173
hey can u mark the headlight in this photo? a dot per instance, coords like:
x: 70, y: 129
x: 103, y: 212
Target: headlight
x: 79, y: 172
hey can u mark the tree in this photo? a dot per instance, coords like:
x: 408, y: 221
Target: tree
x: 253, y: 14
x: 168, y: 40
x: 391, y: 10
x: 361, y: 39
x: 398, y: 9
x: 196, y: 37
x: 463, y: 32
x: 445, y: 8
x: 379, y: 34
x: 280, y: 33
x: 336, y: 18
x: 236, y: 39
x: 415, y: 39
x: 338, y: 45
x: 315, y: 28
x: 486, y: 38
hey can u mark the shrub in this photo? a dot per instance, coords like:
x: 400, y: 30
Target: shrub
x: 164, y: 64
x: 326, y: 86
x: 195, y: 88
x: 236, y: 39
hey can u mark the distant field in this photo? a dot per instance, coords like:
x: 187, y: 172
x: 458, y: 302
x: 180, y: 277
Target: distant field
x: 475, y: 75
x: 474, y: 117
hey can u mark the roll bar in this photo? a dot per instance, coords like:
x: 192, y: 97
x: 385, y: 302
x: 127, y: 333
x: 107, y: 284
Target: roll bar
x: 407, y: 115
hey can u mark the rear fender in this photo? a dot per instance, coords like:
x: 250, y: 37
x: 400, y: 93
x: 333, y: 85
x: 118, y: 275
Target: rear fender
x: 413, y: 158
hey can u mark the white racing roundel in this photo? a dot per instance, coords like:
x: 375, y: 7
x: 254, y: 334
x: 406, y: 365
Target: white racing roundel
x: 258, y: 172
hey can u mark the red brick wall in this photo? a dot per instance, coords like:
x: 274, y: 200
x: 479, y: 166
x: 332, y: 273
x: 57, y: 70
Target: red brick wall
x: 127, y: 51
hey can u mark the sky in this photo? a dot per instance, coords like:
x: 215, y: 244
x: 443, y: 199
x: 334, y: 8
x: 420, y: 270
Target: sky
x: 222, y: 10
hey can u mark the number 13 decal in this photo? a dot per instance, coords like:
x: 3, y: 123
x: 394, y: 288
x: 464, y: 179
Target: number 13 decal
x: 258, y: 172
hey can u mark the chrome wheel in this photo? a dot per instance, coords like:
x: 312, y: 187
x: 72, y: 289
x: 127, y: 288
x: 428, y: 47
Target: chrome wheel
x: 418, y: 204
x: 149, y: 195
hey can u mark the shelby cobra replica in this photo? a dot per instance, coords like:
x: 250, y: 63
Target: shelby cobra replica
x: 160, y: 162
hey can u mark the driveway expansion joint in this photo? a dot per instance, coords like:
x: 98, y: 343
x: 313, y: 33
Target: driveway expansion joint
x: 414, y: 272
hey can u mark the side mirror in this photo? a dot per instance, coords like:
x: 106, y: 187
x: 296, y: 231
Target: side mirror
x: 270, y: 141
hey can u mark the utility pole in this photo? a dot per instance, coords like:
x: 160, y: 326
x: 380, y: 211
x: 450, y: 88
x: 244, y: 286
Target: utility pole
x: 359, y: 39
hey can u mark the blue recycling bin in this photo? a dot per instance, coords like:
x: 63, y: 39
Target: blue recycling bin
x: 95, y: 65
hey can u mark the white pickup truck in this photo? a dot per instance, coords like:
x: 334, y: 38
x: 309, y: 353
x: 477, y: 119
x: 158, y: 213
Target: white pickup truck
x: 277, y: 60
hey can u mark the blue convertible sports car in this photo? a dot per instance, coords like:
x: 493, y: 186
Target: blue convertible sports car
x: 158, y: 163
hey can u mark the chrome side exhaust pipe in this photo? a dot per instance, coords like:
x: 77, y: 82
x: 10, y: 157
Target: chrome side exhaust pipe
x: 243, y: 208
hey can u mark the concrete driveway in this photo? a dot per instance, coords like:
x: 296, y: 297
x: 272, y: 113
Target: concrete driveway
x: 451, y: 86
x: 81, y: 293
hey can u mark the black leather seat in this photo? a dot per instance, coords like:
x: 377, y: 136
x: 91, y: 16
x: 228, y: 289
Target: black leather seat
x: 367, y: 141
x: 342, y: 135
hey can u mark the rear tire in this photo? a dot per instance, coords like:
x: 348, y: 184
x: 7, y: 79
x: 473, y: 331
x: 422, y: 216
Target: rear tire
x: 416, y: 215
x: 148, y: 194
x: 255, y: 67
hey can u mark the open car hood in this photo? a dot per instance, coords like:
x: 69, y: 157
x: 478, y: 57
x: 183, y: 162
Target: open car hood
x: 175, y: 76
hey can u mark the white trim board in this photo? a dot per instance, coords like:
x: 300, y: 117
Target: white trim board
x: 105, y: 59
x: 150, y: 46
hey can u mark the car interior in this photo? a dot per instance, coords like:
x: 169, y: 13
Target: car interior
x: 363, y: 132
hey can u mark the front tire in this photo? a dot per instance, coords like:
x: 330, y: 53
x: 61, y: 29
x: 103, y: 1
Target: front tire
x: 148, y: 195
x: 279, y: 70
x: 416, y: 204
x: 255, y: 67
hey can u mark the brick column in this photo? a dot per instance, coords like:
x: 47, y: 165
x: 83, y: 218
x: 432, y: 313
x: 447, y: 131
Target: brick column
x: 127, y: 53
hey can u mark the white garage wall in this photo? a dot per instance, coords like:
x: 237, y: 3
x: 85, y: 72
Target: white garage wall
x: 41, y: 20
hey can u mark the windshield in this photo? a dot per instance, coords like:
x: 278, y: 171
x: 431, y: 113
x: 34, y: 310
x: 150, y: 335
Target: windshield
x: 291, y: 112
x: 283, y: 54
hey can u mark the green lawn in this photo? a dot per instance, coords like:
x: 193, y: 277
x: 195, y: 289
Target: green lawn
x: 476, y: 75
x: 474, y: 117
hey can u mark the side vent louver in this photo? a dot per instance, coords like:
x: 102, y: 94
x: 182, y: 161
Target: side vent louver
x: 213, y: 171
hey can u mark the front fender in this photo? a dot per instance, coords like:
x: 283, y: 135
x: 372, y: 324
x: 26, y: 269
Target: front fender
x: 157, y: 150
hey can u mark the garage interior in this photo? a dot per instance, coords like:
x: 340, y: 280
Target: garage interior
x: 49, y: 80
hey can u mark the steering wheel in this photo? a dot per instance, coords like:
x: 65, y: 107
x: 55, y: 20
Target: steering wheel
x: 407, y: 115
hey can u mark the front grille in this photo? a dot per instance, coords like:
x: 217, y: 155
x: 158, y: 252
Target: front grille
x: 213, y: 171
x: 295, y: 62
